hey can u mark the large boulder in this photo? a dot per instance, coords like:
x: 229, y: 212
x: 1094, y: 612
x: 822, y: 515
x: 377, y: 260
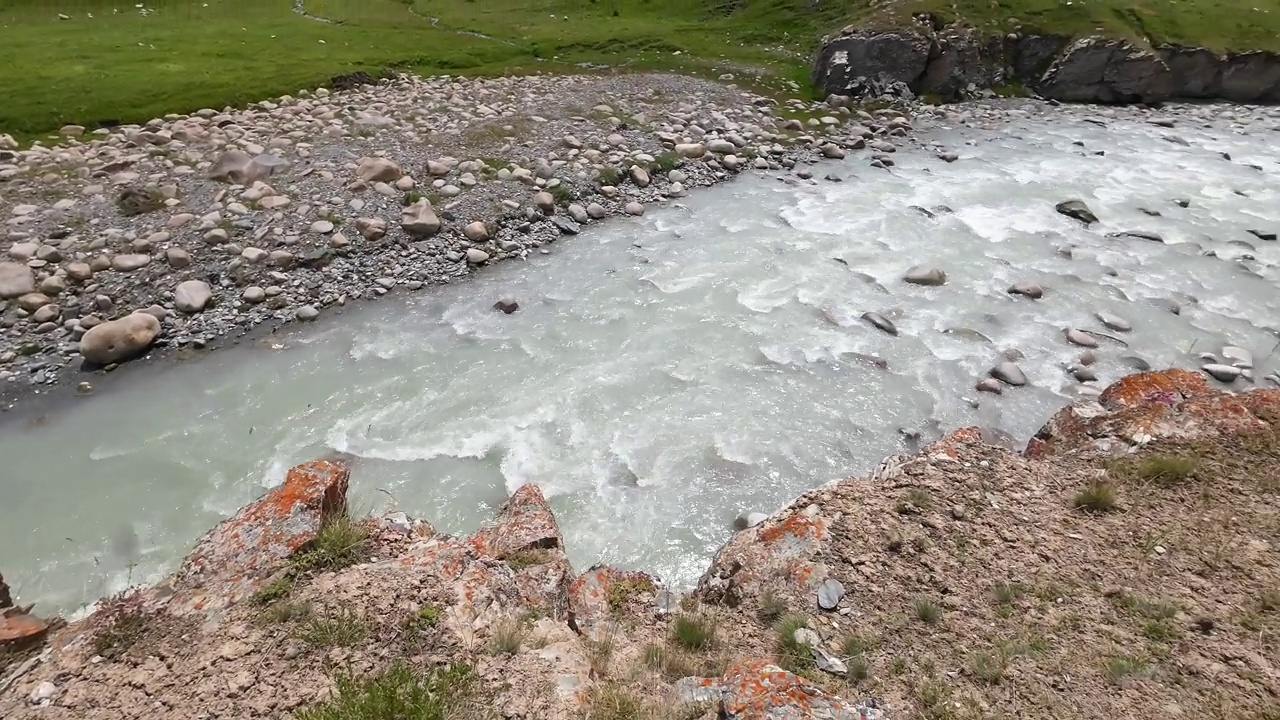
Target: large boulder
x: 963, y: 58
x: 1197, y: 72
x: 6, y: 598
x: 242, y: 553
x: 1033, y: 54
x: 378, y: 169
x: 1251, y: 77
x: 117, y: 340
x: 856, y: 58
x: 16, y: 280
x: 420, y: 219
x: 1105, y: 70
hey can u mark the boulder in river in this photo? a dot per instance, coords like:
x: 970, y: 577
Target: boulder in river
x: 925, y: 275
x: 1138, y: 235
x: 1115, y: 322
x: 1027, y: 289
x: 1081, y: 338
x: 117, y: 340
x: 989, y: 385
x: 506, y: 304
x: 1238, y: 356
x: 880, y: 322
x: 1225, y: 373
x: 1076, y: 209
x: 1009, y: 373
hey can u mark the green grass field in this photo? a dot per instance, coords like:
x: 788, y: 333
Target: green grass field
x: 110, y: 62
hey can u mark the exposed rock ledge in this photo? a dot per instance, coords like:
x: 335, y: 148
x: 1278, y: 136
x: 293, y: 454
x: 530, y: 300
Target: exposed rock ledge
x: 962, y: 581
x: 956, y: 62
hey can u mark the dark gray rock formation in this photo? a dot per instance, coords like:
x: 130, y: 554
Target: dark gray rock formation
x: 955, y: 63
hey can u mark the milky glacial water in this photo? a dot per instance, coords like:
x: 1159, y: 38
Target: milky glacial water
x: 666, y: 373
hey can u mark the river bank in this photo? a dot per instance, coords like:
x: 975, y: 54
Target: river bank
x: 326, y: 199
x: 870, y: 597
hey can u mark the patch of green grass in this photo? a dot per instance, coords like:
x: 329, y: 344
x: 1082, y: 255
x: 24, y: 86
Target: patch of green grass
x: 1167, y: 469
x: 859, y: 668
x: 342, y: 629
x: 1120, y: 668
x: 286, y: 611
x: 620, y: 591
x: 664, y: 162
x: 426, y: 618
x: 139, y: 201
x: 277, y: 589
x: 398, y: 693
x: 609, y: 175
x: 1160, y: 631
x: 1099, y: 496
x: 772, y: 607
x: 988, y: 667
x: 528, y: 558
x: 599, y: 654
x: 793, y: 655
x: 611, y: 701
x: 120, y: 623
x: 933, y: 699
x: 1008, y: 593
x: 693, y: 632
x: 340, y: 542
x: 914, y: 500
x: 927, y: 611
x: 563, y: 194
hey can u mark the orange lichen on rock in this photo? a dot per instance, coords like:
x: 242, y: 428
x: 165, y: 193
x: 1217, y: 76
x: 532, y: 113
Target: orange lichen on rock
x: 243, y: 551
x: 19, y: 629
x: 757, y: 690
x: 1162, y: 386
x: 596, y: 595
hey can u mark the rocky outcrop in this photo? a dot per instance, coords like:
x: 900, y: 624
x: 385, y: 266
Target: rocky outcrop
x: 939, y: 574
x: 957, y: 62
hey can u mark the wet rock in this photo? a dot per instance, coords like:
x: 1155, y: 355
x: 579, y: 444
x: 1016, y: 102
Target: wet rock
x: 1114, y: 322
x: 475, y: 256
x: 989, y: 385
x: 1082, y: 373
x: 1225, y: 373
x: 506, y: 304
x: 1081, y: 338
x: 1027, y: 289
x: 925, y: 275
x: 307, y: 313
x: 880, y: 322
x: 633, y: 208
x: 1009, y: 373
x: 6, y: 596
x: 1135, y: 362
x: 565, y: 225
x: 1076, y: 209
x: 192, y: 296
x: 16, y: 280
x: 1238, y: 356
x: 1087, y: 358
x: 1138, y: 235
x: 1263, y: 235
x: 118, y: 340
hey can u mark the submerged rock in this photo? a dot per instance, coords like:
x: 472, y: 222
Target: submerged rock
x: 1009, y: 373
x: 1076, y: 209
x: 1081, y: 338
x: 1027, y: 289
x: 925, y: 275
x: 880, y: 322
x: 1225, y: 373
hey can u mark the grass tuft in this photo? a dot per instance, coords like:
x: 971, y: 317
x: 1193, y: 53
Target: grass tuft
x: 793, y: 655
x: 693, y: 632
x: 609, y: 175
x: 620, y: 591
x: 398, y: 693
x: 1167, y: 469
x: 988, y: 667
x: 277, y: 590
x: 772, y: 607
x: 341, y: 542
x: 563, y: 194
x: 1123, y: 667
x: 284, y: 611
x: 343, y: 629
x: 529, y: 558
x: 927, y: 611
x: 507, y: 637
x: 123, y: 621
x: 1099, y: 496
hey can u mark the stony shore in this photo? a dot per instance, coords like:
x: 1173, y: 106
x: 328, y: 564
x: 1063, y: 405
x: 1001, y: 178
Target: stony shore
x: 184, y: 234
x: 1122, y: 565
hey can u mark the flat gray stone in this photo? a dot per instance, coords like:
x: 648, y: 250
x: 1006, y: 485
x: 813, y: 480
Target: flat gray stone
x: 830, y: 592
